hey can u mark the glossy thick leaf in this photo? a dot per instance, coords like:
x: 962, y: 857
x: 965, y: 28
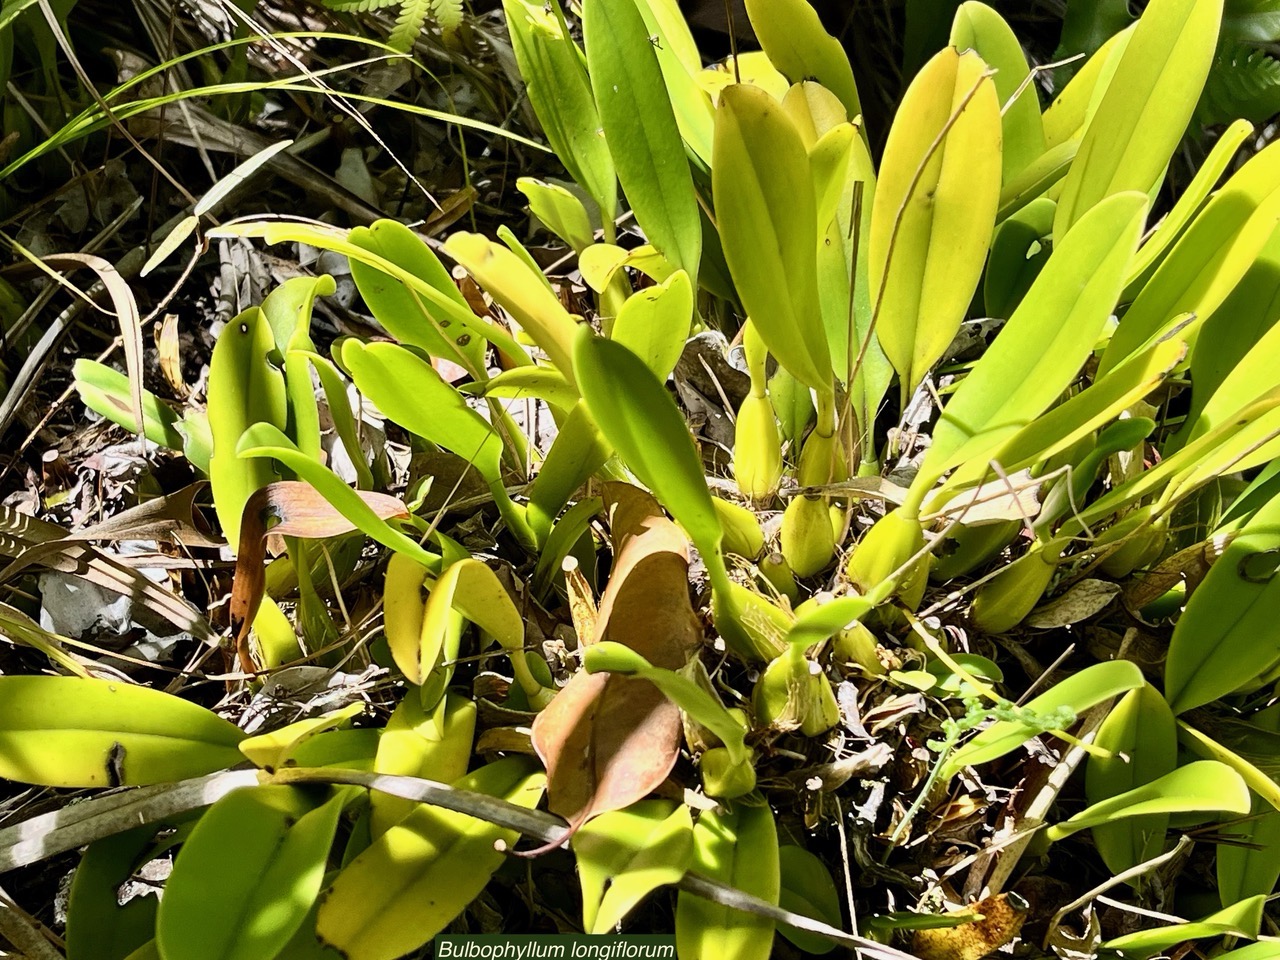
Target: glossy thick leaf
x: 738, y: 847
x: 766, y: 213
x: 244, y: 389
x: 409, y: 391
x: 640, y: 129
x: 1077, y: 416
x: 72, y: 732
x: 654, y: 322
x: 1092, y: 685
x: 1189, y: 203
x: 1225, y: 636
x: 1208, y: 260
x: 1243, y: 919
x: 625, y: 855
x: 1066, y: 118
x: 99, y: 927
x: 979, y: 28
x: 1041, y: 349
x: 556, y: 84
x: 434, y: 744
x: 1204, y: 786
x: 106, y: 391
x: 609, y: 740
x: 796, y: 42
x: 1251, y: 866
x: 1229, y: 365
x: 1251, y: 756
x: 264, y: 440
x: 1019, y: 250
x: 247, y: 876
x: 414, y: 879
x: 525, y: 383
x: 331, y: 238
x: 1142, y: 738
x: 559, y: 210
x: 934, y: 211
x: 1146, y: 107
x: 807, y: 889
x: 407, y: 316
x: 577, y: 452
x: 273, y: 749
x: 521, y: 292
x: 681, y: 62
x: 638, y: 416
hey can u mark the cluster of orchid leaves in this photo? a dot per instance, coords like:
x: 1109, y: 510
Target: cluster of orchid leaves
x: 1052, y: 457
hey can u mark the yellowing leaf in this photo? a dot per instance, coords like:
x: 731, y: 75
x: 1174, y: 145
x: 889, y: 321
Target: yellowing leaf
x: 934, y: 211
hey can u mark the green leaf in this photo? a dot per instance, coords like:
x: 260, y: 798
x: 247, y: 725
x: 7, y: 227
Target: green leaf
x: 408, y: 390
x: 766, y: 213
x: 624, y: 855
x: 522, y: 292
x: 559, y: 210
x: 72, y: 732
x: 796, y: 42
x: 577, y: 452
x: 681, y: 64
x: 1019, y: 251
x: 1092, y: 685
x: 1187, y: 206
x: 1225, y: 636
x: 414, y: 879
x: 1229, y: 365
x: 640, y: 129
x: 557, y: 86
x: 1142, y: 738
x: 807, y: 889
x: 979, y: 28
x: 1077, y: 416
x: 934, y: 211
x: 1208, y: 260
x: 639, y: 418
x: 1250, y: 866
x: 739, y: 847
x: 1040, y: 351
x: 99, y: 927
x: 247, y: 876
x: 106, y: 391
x: 654, y: 323
x: 244, y: 389
x: 1145, y: 109
x: 1243, y: 919
x: 1204, y: 786
x: 407, y: 316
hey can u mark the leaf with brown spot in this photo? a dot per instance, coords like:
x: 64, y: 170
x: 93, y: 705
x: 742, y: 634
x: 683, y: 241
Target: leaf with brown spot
x: 609, y: 740
x: 302, y: 512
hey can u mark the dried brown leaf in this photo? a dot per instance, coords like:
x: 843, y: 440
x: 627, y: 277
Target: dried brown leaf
x: 607, y: 740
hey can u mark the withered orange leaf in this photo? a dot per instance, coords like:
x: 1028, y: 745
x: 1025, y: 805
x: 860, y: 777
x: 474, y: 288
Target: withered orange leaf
x: 301, y: 511
x: 607, y: 740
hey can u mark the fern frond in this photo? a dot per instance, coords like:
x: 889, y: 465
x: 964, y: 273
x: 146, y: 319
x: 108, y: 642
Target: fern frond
x: 448, y: 14
x: 1243, y: 82
x: 359, y: 6
x: 413, y: 14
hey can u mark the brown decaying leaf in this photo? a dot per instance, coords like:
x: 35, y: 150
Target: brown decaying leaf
x: 608, y: 741
x: 582, y: 603
x: 1002, y: 917
x: 301, y: 512
x: 1189, y: 565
